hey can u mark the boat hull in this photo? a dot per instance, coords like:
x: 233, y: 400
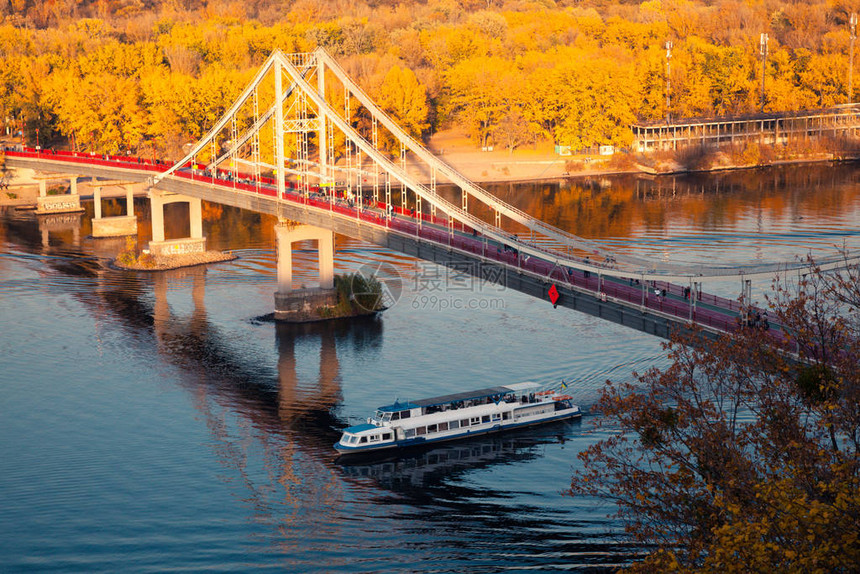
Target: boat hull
x: 420, y: 441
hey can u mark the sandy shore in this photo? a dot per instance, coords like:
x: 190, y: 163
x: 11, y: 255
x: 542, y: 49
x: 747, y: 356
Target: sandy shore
x: 498, y: 165
x: 542, y: 163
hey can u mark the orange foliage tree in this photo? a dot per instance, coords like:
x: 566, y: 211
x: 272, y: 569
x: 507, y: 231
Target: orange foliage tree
x: 130, y: 74
x: 740, y: 456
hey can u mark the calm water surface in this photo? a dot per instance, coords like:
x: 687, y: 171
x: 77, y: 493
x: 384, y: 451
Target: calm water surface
x: 152, y: 422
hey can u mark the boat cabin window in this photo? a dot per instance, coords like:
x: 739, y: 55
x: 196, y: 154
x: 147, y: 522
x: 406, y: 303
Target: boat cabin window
x: 464, y: 423
x: 454, y: 425
x: 431, y: 428
x: 506, y: 415
x: 421, y: 430
x: 475, y: 420
x: 405, y: 414
x: 383, y: 416
x: 386, y: 436
x: 443, y: 426
x: 485, y: 419
x: 363, y: 440
x: 410, y: 433
x: 395, y: 416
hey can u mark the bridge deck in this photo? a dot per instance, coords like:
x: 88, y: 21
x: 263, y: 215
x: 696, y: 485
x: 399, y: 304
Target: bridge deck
x: 623, y: 301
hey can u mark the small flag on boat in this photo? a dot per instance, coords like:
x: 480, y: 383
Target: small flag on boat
x: 563, y: 385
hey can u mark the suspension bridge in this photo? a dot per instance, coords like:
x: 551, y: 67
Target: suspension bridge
x: 305, y: 143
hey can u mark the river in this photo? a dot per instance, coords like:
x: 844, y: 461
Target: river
x: 155, y: 422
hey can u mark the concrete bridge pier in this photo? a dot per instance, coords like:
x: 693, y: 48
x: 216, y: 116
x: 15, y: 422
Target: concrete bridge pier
x: 62, y: 203
x: 115, y: 226
x: 161, y: 247
x: 300, y: 304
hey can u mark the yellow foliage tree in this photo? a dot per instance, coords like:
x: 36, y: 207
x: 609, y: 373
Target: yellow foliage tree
x: 405, y: 99
x: 477, y: 62
x: 476, y: 92
x: 590, y: 119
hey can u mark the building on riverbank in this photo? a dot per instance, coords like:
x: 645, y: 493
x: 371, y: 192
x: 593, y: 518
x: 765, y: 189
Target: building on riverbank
x: 771, y: 129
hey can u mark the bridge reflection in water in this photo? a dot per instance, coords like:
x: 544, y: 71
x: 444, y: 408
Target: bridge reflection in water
x: 287, y: 426
x: 197, y: 345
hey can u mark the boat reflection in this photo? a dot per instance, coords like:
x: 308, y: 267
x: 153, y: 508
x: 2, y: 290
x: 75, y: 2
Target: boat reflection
x: 423, y: 467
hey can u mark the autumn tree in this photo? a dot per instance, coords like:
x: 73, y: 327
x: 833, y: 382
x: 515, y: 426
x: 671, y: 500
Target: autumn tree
x: 588, y: 117
x: 825, y: 76
x: 477, y: 93
x: 512, y: 130
x: 579, y: 72
x: 403, y: 96
x: 743, y: 455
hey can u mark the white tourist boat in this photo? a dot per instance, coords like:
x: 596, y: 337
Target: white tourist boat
x: 457, y: 416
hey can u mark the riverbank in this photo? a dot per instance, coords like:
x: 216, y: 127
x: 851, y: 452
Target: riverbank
x: 497, y: 165
x: 538, y: 162
x: 542, y: 163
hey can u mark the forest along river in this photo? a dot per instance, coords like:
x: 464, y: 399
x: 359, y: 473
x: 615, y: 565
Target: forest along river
x: 152, y: 422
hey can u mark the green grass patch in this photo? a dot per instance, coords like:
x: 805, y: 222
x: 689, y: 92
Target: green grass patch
x: 356, y: 295
x: 129, y: 257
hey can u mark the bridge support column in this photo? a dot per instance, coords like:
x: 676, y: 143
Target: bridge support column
x: 97, y: 202
x: 301, y: 304
x: 161, y: 247
x: 116, y: 226
x: 62, y: 203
